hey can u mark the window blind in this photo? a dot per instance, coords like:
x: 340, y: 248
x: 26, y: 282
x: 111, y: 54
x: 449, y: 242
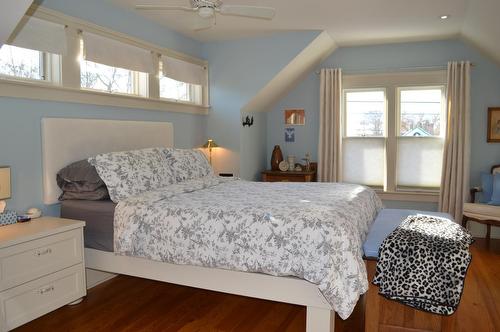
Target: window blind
x: 114, y: 53
x: 41, y: 35
x: 363, y: 161
x: 420, y: 161
x: 183, y: 71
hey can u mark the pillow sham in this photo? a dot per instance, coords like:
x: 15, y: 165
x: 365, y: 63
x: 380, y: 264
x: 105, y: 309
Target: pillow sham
x: 79, y: 176
x: 487, y: 187
x: 495, y: 196
x: 188, y: 164
x: 131, y: 173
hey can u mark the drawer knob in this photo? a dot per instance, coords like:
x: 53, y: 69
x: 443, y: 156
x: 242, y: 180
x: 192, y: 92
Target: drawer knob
x: 39, y: 253
x: 46, y: 290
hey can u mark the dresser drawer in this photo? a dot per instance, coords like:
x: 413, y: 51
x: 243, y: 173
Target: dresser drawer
x: 30, y: 260
x: 33, y: 299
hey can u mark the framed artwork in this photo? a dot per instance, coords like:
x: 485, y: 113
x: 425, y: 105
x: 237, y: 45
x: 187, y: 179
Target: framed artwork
x: 290, y: 135
x: 295, y: 117
x: 494, y: 124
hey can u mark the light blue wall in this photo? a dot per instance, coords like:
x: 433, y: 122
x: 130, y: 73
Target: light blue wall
x: 238, y: 70
x: 485, y: 92
x: 107, y: 14
x: 20, y: 145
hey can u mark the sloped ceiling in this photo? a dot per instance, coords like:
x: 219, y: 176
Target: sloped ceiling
x: 349, y: 22
x: 10, y: 14
x: 320, y: 48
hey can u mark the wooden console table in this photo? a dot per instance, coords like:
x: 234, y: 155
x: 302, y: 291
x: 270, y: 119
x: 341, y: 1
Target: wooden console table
x: 289, y: 176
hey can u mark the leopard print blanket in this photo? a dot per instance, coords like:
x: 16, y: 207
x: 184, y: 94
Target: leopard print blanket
x: 423, y: 264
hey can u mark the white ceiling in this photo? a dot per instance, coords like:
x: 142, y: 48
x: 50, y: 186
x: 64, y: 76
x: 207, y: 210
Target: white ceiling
x: 349, y: 22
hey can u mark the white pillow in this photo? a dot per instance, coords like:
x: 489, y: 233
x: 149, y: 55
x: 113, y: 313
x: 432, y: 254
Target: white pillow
x: 188, y: 164
x: 131, y: 173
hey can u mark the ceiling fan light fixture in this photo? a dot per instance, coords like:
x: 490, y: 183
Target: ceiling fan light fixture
x: 444, y: 17
x: 206, y: 12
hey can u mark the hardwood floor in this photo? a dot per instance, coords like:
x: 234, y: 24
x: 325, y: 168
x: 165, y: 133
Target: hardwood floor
x: 133, y: 304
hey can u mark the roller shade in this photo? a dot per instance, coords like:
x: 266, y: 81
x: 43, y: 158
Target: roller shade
x: 184, y: 71
x: 41, y: 35
x: 114, y: 53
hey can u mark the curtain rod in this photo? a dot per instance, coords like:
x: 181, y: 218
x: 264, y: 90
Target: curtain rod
x: 391, y: 70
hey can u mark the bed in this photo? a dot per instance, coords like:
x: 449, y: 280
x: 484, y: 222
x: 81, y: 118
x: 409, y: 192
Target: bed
x: 333, y: 266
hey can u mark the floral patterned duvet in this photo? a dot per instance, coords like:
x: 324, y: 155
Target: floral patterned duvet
x: 312, y: 231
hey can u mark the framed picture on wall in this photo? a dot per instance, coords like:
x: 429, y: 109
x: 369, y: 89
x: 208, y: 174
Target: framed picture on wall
x: 295, y: 117
x: 494, y: 124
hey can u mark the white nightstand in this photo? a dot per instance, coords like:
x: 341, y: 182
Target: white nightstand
x: 41, y: 268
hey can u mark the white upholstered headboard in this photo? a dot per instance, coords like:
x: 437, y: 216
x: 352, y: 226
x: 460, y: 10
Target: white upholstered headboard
x: 67, y: 140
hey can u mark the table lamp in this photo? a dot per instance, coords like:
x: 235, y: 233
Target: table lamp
x: 210, y: 144
x: 4, y: 186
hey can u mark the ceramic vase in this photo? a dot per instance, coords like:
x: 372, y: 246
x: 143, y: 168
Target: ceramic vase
x: 276, y: 158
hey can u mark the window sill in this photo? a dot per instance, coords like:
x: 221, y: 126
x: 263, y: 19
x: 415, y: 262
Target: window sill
x: 46, y: 91
x: 408, y: 196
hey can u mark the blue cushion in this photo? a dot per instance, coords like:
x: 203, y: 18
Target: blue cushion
x: 495, y: 197
x: 387, y: 220
x: 487, y: 186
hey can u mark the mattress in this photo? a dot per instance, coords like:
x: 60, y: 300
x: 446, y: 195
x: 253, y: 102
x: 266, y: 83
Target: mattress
x: 98, y: 216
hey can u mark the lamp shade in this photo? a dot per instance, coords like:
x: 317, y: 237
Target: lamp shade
x: 4, y: 182
x: 210, y: 144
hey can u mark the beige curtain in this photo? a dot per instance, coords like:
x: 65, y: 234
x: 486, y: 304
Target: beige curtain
x: 329, y: 125
x: 456, y: 158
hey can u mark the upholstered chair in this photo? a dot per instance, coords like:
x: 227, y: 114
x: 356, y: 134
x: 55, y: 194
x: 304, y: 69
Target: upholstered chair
x: 482, y: 213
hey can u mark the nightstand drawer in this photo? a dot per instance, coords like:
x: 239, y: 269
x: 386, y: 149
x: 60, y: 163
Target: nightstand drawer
x: 29, y: 260
x: 26, y: 302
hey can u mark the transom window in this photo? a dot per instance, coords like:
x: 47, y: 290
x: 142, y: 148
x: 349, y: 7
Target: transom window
x: 105, y: 78
x: 393, y: 134
x: 44, y: 51
x: 177, y: 90
x: 21, y: 63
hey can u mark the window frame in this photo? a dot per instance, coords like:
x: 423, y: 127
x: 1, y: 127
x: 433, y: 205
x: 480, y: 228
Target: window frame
x: 62, y: 78
x: 49, y: 71
x: 442, y: 87
x: 140, y: 84
x: 344, y: 110
x: 391, y: 82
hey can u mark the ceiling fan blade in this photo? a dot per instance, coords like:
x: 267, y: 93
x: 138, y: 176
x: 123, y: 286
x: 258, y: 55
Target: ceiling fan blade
x: 266, y: 13
x: 201, y: 23
x: 161, y: 7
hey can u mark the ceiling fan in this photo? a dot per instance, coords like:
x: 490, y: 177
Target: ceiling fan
x: 206, y: 11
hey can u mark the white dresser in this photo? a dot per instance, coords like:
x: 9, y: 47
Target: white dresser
x: 41, y: 268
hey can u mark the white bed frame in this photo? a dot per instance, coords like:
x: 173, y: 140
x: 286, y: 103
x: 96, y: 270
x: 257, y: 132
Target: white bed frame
x: 68, y: 140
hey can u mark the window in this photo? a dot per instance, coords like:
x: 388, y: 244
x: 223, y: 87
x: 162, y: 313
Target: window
x: 420, y: 140
x: 176, y: 90
x: 393, y: 132
x: 21, y: 63
x: 108, y: 65
x: 181, y: 80
x: 112, y: 79
x: 364, y: 137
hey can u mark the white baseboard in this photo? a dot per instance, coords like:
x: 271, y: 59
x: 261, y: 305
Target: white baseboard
x: 96, y: 277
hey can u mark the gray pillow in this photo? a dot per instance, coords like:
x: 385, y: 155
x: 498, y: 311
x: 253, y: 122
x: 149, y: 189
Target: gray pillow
x: 99, y: 194
x: 79, y: 180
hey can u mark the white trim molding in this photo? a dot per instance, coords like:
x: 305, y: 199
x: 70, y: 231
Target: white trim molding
x: 408, y: 196
x: 49, y: 92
